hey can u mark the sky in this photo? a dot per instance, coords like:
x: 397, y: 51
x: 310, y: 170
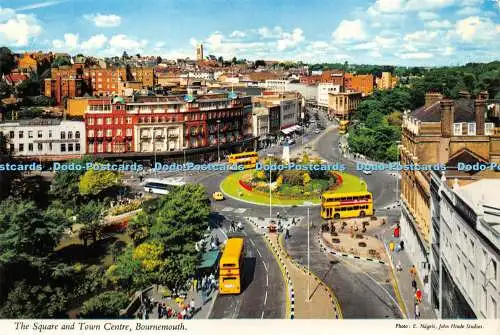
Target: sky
x: 397, y: 32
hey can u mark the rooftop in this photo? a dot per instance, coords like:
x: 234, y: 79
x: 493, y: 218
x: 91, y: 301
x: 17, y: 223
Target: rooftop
x: 463, y: 112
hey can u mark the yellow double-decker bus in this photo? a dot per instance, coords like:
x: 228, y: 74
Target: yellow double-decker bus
x: 346, y: 205
x: 231, y: 266
x: 343, y: 125
x: 247, y: 159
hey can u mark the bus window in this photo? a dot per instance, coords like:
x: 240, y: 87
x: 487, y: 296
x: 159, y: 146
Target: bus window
x: 228, y: 265
x: 228, y: 278
x: 356, y: 207
x: 337, y: 209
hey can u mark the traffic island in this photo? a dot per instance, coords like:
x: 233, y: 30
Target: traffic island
x: 355, y: 238
x: 321, y: 303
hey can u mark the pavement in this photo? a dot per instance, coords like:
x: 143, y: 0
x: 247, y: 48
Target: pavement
x: 403, y: 280
x: 310, y: 298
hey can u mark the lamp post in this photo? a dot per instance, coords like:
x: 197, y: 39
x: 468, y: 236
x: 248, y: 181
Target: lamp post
x: 218, y: 141
x: 154, y: 148
x: 270, y: 181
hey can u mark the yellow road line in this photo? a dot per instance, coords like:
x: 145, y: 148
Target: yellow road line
x: 283, y: 274
x: 338, y: 309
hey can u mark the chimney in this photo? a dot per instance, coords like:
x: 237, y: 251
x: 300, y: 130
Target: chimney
x: 479, y: 112
x: 431, y: 98
x: 447, y: 117
x: 464, y: 94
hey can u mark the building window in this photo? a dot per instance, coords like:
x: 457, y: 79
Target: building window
x: 11, y: 134
x: 99, y: 121
x: 77, y: 146
x: 488, y: 128
x: 39, y: 134
x: 40, y: 146
x: 21, y: 135
x: 21, y: 147
x: 70, y: 146
x: 129, y: 132
x: 109, y: 120
x: 471, y: 129
x: 91, y: 121
x: 50, y: 146
x: 70, y: 135
x: 129, y: 120
x: 30, y: 147
x: 77, y: 134
x: 63, y: 135
x: 30, y: 134
x: 457, y: 129
x: 118, y: 132
x: 50, y: 133
x: 109, y: 132
x: 63, y: 147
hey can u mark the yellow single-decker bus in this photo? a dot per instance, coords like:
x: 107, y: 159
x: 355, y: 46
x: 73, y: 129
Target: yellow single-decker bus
x: 343, y: 125
x: 346, y: 205
x: 231, y: 266
x: 247, y: 159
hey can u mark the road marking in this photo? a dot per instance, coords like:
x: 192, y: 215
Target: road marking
x: 223, y: 233
x: 265, y: 298
x: 265, y: 266
x: 251, y: 241
x: 259, y: 252
x: 227, y: 209
x: 262, y: 315
x: 267, y: 278
x: 240, y: 210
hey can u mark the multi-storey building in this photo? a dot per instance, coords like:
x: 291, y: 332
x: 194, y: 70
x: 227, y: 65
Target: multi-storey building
x: 260, y: 122
x: 447, y: 132
x: 105, y: 82
x: 465, y: 248
x: 275, y: 85
x: 65, y: 82
x: 289, y: 108
x: 167, y: 123
x: 109, y: 128
x: 310, y: 80
x: 144, y: 75
x: 335, y: 77
x: 359, y: 82
x: 323, y: 90
x: 387, y: 81
x: 343, y: 104
x: 45, y: 139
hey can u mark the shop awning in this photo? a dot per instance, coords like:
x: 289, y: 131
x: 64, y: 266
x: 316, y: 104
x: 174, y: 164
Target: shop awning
x: 291, y: 129
x: 209, y: 259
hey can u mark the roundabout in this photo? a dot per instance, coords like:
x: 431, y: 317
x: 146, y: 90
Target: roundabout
x: 242, y: 186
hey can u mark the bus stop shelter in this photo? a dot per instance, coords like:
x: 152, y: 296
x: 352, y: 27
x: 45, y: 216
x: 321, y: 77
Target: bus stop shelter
x: 209, y: 262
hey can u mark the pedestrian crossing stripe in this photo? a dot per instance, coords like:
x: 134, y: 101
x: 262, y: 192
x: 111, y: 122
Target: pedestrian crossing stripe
x: 227, y: 209
x: 240, y: 210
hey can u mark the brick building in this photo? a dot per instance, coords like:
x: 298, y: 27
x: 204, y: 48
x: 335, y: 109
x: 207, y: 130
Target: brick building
x: 335, y: 77
x: 64, y: 82
x: 448, y: 132
x: 343, y: 104
x: 104, y: 82
x: 144, y: 75
x: 359, y: 82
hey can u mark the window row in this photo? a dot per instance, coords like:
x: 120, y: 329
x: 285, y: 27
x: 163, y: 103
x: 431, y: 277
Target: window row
x: 109, y: 132
x: 70, y: 147
x: 39, y: 134
x: 471, y: 128
x: 108, y: 120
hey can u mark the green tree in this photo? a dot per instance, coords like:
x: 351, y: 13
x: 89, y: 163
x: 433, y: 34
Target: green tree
x: 90, y: 216
x: 61, y: 61
x: 7, y: 61
x: 65, y: 185
x: 34, y: 302
x: 106, y: 305
x: 94, y: 181
x: 138, y: 228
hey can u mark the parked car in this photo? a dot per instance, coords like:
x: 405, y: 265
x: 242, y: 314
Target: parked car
x: 218, y: 196
x: 367, y: 172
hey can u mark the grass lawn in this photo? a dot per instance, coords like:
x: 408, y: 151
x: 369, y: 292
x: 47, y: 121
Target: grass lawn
x: 231, y: 187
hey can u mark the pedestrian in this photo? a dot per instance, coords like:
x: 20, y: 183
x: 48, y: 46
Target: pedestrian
x: 195, y: 285
x: 192, y: 306
x: 204, y: 282
x: 160, y: 311
x: 398, y: 266
x: 287, y: 234
x: 391, y: 246
x: 184, y: 313
x: 396, y: 232
x: 278, y: 215
x: 413, y: 272
x: 402, y: 245
x: 180, y: 316
x: 418, y: 295
x: 414, y: 285
x: 417, y: 311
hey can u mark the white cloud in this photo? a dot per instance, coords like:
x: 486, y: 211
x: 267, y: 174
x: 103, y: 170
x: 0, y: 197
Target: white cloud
x: 365, y: 46
x: 17, y: 29
x: 70, y: 41
x: 290, y: 40
x: 319, y: 45
x: 123, y: 42
x: 404, y: 6
x: 349, y: 31
x: 159, y: 44
x: 425, y: 16
x: 476, y: 29
x: 215, y: 40
x: 238, y: 34
x: 104, y: 21
x: 438, y: 24
x: 266, y: 32
x: 415, y: 55
x: 95, y: 42
x: 375, y: 54
x: 386, y: 42
x: 467, y: 11
x: 193, y: 42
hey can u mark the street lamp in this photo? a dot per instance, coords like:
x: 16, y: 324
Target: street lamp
x: 270, y: 181
x: 218, y: 141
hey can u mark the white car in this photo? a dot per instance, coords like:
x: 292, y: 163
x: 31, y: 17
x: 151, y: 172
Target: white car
x: 317, y: 131
x: 367, y: 172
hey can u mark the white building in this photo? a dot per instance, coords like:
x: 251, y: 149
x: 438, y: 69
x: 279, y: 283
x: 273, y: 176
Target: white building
x: 465, y: 254
x: 276, y: 85
x: 45, y: 139
x: 260, y: 121
x: 206, y: 75
x: 309, y: 92
x: 323, y: 90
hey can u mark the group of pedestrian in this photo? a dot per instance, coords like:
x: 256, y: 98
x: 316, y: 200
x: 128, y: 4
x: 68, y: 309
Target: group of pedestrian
x: 165, y: 311
x: 208, y: 283
x: 235, y: 227
x: 416, y: 290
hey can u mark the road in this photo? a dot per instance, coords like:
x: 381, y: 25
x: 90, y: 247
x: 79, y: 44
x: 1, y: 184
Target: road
x: 263, y: 295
